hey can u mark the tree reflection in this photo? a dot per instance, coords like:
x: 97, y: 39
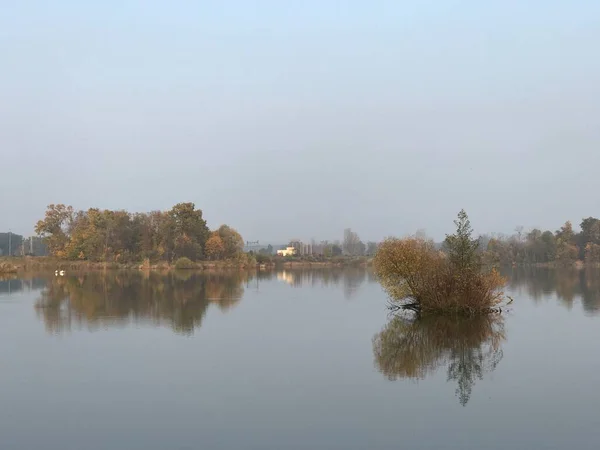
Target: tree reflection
x: 568, y: 284
x: 177, y: 299
x: 468, y: 347
x: 351, y: 278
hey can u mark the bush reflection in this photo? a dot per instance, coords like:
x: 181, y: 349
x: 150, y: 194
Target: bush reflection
x: 414, y: 349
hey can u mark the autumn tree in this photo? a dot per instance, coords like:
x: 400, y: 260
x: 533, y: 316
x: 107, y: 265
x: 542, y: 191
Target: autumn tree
x: 232, y: 241
x: 164, y: 235
x: 592, y: 253
x: 566, y: 233
x: 83, y: 240
x: 566, y: 250
x: 55, y: 228
x: 215, y: 248
x: 119, y: 236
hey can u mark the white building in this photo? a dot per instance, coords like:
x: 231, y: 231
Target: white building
x: 289, y: 251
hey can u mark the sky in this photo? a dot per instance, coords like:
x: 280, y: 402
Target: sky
x: 300, y: 119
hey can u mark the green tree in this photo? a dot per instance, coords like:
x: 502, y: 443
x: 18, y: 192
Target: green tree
x: 549, y: 243
x: 461, y: 247
x: 590, y: 229
x: 566, y: 233
x: 190, y: 230
x: 590, y: 234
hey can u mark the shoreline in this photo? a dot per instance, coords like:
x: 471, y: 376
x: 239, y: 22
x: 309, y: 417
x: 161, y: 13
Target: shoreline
x: 11, y: 265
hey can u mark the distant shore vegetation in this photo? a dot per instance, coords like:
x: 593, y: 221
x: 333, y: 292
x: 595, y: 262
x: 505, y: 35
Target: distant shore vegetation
x: 99, y: 235
x: 564, y: 247
x: 177, y: 238
x: 162, y: 237
x: 423, y: 279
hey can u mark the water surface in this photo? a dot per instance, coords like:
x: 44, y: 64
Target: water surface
x: 296, y: 359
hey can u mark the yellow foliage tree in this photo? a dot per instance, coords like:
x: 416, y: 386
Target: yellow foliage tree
x: 232, y: 240
x: 214, y: 248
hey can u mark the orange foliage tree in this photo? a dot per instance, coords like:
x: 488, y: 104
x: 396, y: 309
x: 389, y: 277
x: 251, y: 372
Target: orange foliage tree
x: 214, y: 248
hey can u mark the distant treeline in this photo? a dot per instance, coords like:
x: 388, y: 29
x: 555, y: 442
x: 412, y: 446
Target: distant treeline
x: 123, y: 237
x: 562, y: 247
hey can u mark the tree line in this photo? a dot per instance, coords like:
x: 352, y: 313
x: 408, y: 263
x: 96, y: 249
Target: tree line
x: 124, y: 237
x: 563, y: 247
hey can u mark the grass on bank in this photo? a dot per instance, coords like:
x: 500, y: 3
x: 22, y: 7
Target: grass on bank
x: 6, y: 268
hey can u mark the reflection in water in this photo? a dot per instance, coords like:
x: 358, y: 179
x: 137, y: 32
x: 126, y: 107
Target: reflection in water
x: 10, y: 284
x: 413, y: 349
x: 351, y: 278
x: 99, y: 299
x: 180, y: 299
x: 568, y: 284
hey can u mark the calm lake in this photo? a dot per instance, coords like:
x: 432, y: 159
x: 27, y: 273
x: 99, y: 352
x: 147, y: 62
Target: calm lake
x: 293, y: 360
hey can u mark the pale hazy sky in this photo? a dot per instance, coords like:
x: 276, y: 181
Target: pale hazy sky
x: 301, y: 118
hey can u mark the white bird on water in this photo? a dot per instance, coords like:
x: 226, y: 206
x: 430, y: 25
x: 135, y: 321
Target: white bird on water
x: 61, y: 273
